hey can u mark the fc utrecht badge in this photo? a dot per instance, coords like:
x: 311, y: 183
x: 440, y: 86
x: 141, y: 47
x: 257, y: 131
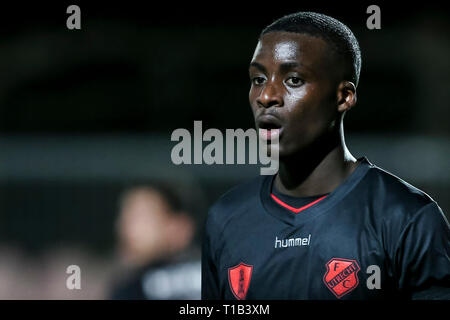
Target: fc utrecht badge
x: 341, y: 276
x: 239, y: 279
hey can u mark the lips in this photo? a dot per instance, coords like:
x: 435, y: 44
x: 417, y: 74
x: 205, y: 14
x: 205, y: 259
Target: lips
x: 268, y: 121
x: 272, y: 125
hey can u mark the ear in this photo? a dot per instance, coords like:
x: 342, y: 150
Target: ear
x: 346, y: 96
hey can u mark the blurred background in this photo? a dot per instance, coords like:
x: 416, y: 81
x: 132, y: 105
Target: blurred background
x: 86, y: 118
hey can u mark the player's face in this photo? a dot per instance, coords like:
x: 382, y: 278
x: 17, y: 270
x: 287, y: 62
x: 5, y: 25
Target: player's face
x: 293, y: 89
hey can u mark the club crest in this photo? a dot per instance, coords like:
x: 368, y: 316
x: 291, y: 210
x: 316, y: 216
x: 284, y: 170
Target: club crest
x: 341, y: 276
x: 239, y: 279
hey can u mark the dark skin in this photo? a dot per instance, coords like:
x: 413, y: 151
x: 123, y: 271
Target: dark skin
x: 299, y: 87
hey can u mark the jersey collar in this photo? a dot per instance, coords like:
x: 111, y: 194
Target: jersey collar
x: 291, y: 218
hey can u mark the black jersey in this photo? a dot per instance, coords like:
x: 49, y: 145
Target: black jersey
x: 374, y: 237
x: 162, y: 280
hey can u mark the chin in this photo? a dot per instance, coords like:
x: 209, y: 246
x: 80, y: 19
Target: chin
x: 286, y: 152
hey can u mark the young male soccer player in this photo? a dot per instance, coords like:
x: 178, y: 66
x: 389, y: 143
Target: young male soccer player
x: 327, y: 225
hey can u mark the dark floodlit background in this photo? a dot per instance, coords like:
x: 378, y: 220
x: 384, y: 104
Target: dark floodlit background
x: 85, y: 113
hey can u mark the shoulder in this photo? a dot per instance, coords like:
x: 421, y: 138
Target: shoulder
x: 394, y: 195
x: 236, y: 200
x: 399, y: 212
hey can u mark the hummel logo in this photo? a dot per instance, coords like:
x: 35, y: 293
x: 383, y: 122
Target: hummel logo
x: 292, y: 242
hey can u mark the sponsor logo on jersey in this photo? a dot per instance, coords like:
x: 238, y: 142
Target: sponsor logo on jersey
x: 341, y: 276
x: 239, y: 279
x: 292, y: 242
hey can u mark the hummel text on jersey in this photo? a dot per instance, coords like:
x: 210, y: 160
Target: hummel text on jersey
x: 292, y: 242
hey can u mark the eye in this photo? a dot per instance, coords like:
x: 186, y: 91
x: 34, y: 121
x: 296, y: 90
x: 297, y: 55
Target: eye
x: 294, y: 81
x: 258, y: 81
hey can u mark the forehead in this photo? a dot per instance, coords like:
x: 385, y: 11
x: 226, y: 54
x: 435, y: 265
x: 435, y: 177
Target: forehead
x: 278, y: 47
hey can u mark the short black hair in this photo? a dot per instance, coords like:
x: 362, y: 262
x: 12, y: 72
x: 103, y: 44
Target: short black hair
x: 335, y: 33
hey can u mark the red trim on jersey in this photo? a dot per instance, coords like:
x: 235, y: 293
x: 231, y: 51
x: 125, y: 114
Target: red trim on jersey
x: 296, y: 210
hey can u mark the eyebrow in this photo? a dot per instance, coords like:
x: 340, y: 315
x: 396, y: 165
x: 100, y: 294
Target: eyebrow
x: 258, y: 66
x: 284, y: 67
x: 290, y: 65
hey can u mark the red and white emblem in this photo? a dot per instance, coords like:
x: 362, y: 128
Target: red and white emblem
x: 239, y: 279
x: 341, y: 276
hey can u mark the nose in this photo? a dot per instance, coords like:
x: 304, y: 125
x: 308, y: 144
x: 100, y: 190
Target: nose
x: 270, y: 96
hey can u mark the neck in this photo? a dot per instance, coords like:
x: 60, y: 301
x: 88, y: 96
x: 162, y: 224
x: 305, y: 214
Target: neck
x: 319, y: 169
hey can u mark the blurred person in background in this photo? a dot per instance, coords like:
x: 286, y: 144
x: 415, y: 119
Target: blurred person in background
x: 155, y: 234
